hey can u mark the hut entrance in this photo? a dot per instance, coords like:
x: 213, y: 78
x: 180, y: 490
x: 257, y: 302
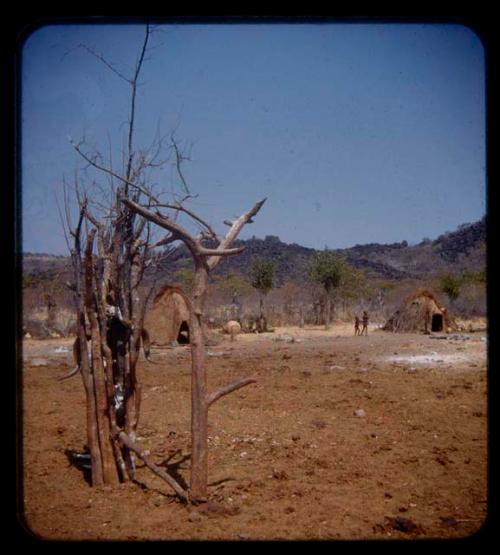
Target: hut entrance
x: 183, y: 335
x: 437, y: 322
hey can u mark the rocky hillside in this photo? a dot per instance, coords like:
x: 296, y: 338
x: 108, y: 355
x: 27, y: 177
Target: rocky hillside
x: 467, y: 241
x: 463, y: 249
x: 455, y: 252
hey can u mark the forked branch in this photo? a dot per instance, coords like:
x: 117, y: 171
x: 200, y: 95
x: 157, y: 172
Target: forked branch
x: 205, y: 260
x: 112, y: 173
x: 164, y: 222
x: 233, y: 232
x: 197, y: 250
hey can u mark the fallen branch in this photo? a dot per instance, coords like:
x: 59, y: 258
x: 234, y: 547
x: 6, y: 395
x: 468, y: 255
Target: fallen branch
x: 216, y: 395
x: 144, y: 456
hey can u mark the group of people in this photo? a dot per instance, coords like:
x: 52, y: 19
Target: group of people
x: 364, y: 321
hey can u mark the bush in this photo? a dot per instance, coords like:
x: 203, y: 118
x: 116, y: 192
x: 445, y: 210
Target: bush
x: 37, y: 329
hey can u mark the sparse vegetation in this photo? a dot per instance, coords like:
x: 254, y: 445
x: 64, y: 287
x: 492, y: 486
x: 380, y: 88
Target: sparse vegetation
x: 450, y: 285
x: 287, y: 454
x: 387, y: 279
x: 287, y: 457
x: 330, y: 271
x: 262, y: 279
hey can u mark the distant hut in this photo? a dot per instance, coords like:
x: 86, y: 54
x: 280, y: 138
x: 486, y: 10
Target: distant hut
x: 167, y: 321
x: 420, y: 312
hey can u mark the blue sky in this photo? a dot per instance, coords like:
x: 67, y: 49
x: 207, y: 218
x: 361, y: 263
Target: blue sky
x: 355, y: 133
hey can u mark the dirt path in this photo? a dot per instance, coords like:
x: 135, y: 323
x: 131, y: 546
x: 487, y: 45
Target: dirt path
x: 342, y: 437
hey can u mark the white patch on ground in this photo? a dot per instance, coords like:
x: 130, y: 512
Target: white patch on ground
x: 431, y: 358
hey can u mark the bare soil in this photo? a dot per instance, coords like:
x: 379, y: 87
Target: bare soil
x: 342, y: 437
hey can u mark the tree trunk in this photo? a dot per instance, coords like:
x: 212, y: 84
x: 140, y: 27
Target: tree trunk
x: 51, y: 313
x: 205, y: 260
x: 81, y: 278
x: 92, y: 432
x: 95, y: 379
x: 328, y: 310
x: 199, y: 415
x: 109, y: 469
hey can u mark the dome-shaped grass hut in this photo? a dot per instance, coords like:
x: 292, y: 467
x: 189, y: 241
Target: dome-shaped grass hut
x: 420, y: 312
x: 167, y: 321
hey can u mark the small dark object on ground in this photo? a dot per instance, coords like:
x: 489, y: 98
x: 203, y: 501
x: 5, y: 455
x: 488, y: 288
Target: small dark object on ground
x: 404, y: 524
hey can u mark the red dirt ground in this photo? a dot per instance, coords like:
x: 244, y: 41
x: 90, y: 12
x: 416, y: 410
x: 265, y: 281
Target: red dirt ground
x: 288, y: 457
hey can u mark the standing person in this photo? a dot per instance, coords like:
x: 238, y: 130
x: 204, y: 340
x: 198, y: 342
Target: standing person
x: 356, y: 325
x: 365, y: 323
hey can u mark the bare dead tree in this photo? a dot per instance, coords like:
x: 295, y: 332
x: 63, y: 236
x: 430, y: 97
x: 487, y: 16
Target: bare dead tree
x: 205, y: 260
x: 111, y: 249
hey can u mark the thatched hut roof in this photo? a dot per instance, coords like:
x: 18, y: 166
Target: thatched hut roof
x: 167, y: 321
x: 421, y: 311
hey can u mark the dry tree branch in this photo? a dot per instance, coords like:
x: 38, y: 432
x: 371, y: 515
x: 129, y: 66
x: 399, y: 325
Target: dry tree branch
x: 192, y: 244
x: 77, y: 231
x: 91, y: 218
x: 219, y: 252
x: 235, y: 229
x: 228, y: 389
x: 178, y: 207
x: 65, y: 225
x: 112, y: 173
x: 110, y: 158
x: 144, y: 456
x: 133, y: 83
x: 164, y: 222
x: 179, y: 158
x: 102, y: 59
x: 66, y: 203
x: 167, y: 240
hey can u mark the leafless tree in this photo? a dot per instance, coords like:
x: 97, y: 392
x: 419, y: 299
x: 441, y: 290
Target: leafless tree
x: 205, y: 259
x: 111, y: 248
x: 112, y: 245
